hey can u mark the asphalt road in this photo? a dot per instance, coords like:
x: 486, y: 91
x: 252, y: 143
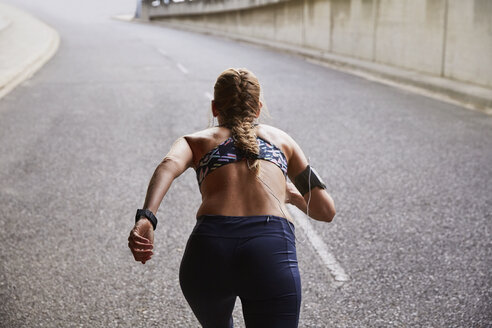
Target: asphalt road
x: 411, y: 177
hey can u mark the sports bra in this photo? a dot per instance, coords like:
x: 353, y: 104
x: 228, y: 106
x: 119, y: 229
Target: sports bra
x: 226, y: 153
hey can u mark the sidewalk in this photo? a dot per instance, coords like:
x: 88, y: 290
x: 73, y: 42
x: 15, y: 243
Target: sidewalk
x: 26, y: 44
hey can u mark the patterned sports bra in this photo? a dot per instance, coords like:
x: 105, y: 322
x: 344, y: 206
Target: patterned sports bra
x: 227, y: 153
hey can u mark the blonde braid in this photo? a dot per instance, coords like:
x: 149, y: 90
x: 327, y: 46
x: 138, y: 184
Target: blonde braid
x: 236, y: 96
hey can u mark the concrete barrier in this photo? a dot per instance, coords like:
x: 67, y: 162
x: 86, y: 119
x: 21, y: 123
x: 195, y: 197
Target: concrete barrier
x: 450, y: 39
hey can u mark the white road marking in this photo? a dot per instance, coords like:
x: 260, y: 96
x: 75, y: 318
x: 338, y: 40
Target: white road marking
x: 162, y: 52
x: 209, y: 96
x: 182, y: 68
x: 327, y: 258
x: 125, y: 18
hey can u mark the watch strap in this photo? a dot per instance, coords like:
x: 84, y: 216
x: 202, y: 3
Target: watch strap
x: 147, y: 214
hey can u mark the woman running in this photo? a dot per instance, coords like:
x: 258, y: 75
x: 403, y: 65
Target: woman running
x: 243, y: 243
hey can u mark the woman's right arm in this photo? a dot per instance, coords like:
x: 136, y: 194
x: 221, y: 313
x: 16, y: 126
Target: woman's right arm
x: 321, y: 205
x: 179, y: 158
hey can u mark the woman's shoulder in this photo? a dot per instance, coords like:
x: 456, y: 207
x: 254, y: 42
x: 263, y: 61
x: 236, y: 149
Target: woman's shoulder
x: 204, y: 140
x: 271, y: 131
x: 200, y: 133
x: 207, y: 135
x: 276, y: 136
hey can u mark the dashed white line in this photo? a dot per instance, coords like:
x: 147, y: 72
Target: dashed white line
x: 182, y: 68
x: 209, y: 96
x: 327, y: 258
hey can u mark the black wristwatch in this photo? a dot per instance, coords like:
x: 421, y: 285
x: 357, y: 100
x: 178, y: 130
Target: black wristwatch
x: 148, y: 214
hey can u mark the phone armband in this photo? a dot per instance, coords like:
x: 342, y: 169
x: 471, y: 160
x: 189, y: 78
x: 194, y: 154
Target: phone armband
x: 307, y: 180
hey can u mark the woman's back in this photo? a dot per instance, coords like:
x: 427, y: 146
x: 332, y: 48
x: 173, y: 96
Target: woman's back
x: 233, y: 189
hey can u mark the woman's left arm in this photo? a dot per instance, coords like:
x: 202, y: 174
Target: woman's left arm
x: 179, y: 158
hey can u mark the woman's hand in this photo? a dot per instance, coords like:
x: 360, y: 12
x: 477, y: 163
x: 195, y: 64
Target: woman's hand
x: 294, y: 197
x: 323, y: 209
x: 141, y: 240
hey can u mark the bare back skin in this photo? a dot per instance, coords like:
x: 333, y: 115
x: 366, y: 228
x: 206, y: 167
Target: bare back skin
x: 233, y: 189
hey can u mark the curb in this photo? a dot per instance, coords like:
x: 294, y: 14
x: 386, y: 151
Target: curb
x: 23, y: 61
x: 463, y: 94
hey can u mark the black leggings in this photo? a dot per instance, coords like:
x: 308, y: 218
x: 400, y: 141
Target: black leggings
x: 251, y: 257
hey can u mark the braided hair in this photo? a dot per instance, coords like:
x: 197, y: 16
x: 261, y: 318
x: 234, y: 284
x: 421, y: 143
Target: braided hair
x: 237, y: 99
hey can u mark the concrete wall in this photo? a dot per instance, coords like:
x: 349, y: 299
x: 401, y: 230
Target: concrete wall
x: 468, y: 55
x: 410, y: 34
x: 447, y: 38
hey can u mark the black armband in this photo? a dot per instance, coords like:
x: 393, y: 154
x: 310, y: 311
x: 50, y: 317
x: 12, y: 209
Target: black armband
x: 148, y: 214
x: 307, y: 180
